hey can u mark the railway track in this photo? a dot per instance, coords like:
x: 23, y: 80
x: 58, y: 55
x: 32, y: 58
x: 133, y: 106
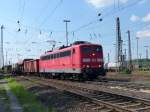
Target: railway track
x: 97, y: 100
x: 119, y: 84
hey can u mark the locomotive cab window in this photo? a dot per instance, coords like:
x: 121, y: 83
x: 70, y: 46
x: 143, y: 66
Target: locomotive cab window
x: 92, y: 49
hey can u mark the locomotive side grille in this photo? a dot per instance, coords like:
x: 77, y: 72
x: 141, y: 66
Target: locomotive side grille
x: 86, y: 60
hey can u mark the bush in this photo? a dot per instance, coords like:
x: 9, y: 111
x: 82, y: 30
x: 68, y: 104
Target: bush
x: 126, y: 71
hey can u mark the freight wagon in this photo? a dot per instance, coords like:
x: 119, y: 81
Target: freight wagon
x: 31, y: 66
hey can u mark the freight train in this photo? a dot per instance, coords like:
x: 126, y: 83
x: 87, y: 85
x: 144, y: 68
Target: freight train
x: 81, y: 60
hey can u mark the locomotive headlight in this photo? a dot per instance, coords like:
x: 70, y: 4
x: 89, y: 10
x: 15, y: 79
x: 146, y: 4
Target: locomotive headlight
x: 93, y: 54
x: 87, y: 66
x: 99, y: 66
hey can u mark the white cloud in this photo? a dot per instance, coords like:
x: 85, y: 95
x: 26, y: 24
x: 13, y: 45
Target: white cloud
x: 144, y: 33
x: 134, y: 18
x: 146, y: 18
x: 103, y: 3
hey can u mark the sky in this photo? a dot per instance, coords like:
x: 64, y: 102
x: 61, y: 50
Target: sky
x: 31, y: 27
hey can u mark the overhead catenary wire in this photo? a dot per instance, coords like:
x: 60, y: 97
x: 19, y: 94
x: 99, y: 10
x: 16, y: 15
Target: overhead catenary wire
x: 21, y: 16
x: 19, y: 7
x: 105, y: 15
x: 109, y: 14
x: 52, y: 12
x: 95, y: 35
x: 44, y: 8
x: 91, y: 36
x: 118, y: 4
x: 43, y: 22
x: 121, y: 8
x: 86, y: 25
x: 81, y: 27
x: 23, y: 8
x: 114, y: 4
x: 46, y: 30
x: 30, y: 27
x: 54, y: 31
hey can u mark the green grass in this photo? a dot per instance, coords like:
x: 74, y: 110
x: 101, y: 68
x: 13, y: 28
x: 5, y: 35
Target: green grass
x: 6, y: 100
x: 28, y: 100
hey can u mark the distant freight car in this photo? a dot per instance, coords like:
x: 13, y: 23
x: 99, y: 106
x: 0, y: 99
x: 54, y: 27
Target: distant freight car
x: 18, y: 68
x: 80, y: 60
x: 31, y: 66
x: 7, y: 68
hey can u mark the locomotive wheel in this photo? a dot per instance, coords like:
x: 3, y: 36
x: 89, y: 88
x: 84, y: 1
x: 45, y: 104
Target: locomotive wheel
x: 50, y: 76
x: 62, y: 77
x: 82, y: 77
x: 85, y: 77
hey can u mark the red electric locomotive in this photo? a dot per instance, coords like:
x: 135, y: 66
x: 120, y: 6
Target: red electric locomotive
x: 80, y: 60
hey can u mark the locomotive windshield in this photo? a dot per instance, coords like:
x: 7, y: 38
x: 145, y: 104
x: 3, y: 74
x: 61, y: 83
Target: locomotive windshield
x: 91, y: 49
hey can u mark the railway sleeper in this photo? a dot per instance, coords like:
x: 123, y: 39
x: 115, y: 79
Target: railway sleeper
x: 110, y: 99
x: 83, y: 102
x: 97, y: 96
x: 90, y: 105
x: 123, y: 102
x: 118, y: 100
x: 98, y: 107
x: 142, y: 109
x: 103, y: 108
x: 137, y: 107
x: 107, y: 110
x: 101, y: 97
x: 104, y: 103
x: 132, y: 105
x: 127, y: 104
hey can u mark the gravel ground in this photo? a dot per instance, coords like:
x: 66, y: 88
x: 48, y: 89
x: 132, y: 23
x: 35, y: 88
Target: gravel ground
x: 61, y: 101
x: 64, y: 102
x: 121, y: 91
x: 137, y: 77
